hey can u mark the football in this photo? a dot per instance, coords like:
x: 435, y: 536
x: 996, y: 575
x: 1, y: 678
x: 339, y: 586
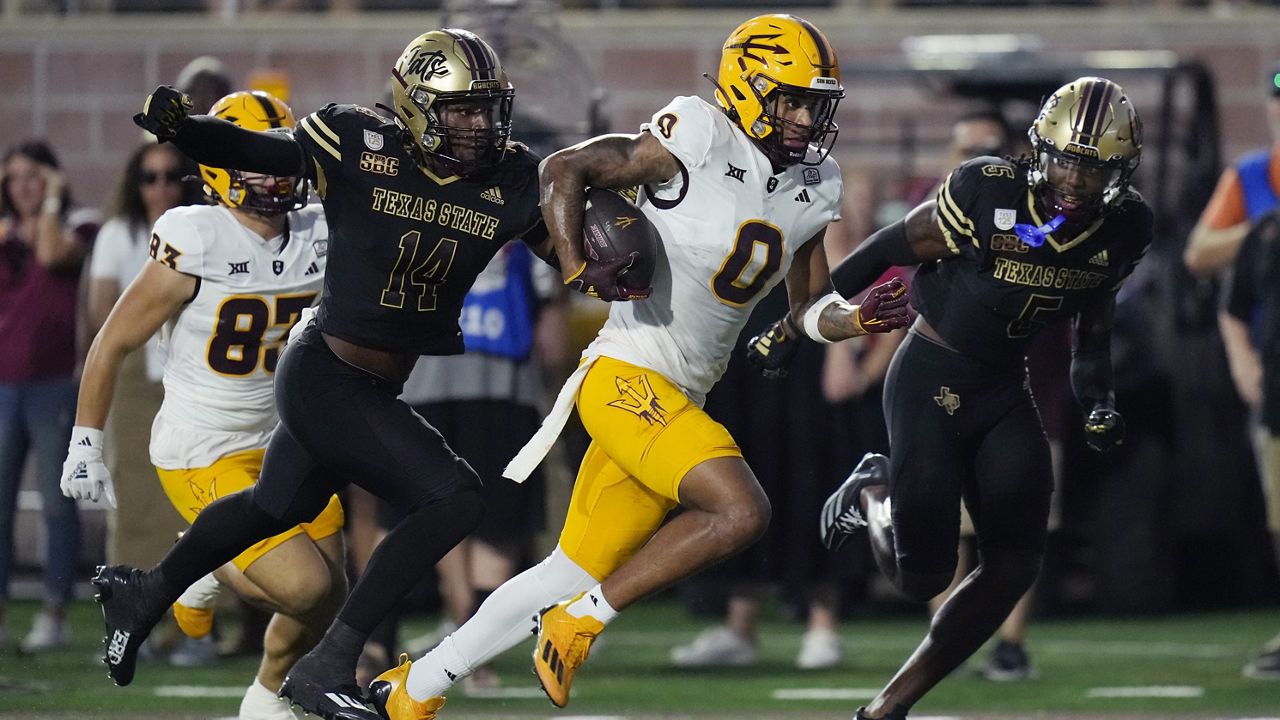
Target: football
x: 613, y: 227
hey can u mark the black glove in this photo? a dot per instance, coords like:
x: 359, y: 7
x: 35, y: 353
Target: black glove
x: 771, y: 351
x: 1104, y: 428
x: 600, y: 280
x: 164, y: 112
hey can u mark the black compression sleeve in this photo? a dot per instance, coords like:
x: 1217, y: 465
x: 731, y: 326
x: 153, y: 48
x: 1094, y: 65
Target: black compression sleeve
x: 885, y: 248
x: 215, y: 142
x: 1092, y: 379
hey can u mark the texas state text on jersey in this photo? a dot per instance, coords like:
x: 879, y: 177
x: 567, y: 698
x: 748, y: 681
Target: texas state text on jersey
x: 730, y: 228
x: 406, y: 244
x: 997, y: 292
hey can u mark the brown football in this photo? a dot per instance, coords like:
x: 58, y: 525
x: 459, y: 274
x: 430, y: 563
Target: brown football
x: 613, y: 227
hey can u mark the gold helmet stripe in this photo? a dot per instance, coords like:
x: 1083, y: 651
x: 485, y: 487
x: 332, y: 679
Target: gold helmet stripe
x: 825, y: 52
x: 273, y: 116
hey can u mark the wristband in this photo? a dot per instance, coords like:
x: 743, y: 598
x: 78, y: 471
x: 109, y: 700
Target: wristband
x: 814, y: 312
x: 86, y: 439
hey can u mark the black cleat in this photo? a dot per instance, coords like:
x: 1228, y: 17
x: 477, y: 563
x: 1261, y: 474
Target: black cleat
x: 131, y: 606
x: 316, y: 687
x: 842, y: 514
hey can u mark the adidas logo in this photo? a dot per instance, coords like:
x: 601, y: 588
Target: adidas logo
x: 552, y: 658
x: 452, y: 677
x: 493, y: 195
x: 803, y: 196
x: 594, y: 600
x: 311, y: 269
x: 1100, y: 259
x: 345, y: 701
x: 85, y: 442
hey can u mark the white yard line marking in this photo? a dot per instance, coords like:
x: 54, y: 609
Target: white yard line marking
x: 198, y: 691
x: 1154, y: 691
x: 825, y: 693
x: 507, y: 693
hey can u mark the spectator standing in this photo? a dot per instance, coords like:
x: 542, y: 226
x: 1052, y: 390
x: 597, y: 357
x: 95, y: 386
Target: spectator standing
x: 44, y: 240
x: 152, y: 182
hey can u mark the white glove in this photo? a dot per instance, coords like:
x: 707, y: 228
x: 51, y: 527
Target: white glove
x: 84, y: 475
x: 304, y: 319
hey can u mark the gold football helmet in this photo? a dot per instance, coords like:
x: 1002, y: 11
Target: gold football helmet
x: 1087, y: 124
x: 775, y: 58
x: 263, y: 194
x: 451, y: 67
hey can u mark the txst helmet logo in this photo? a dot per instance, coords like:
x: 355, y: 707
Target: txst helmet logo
x: 427, y: 64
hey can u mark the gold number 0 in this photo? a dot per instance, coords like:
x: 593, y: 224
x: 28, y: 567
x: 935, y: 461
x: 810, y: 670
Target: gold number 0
x: 728, y: 284
x: 426, y: 273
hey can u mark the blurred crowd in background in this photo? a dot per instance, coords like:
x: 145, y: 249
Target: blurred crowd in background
x: 1175, y: 520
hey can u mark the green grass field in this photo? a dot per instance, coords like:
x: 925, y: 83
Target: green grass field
x: 1197, y: 658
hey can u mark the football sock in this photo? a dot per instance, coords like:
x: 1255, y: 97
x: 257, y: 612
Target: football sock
x: 501, y: 622
x: 403, y: 556
x: 592, y: 604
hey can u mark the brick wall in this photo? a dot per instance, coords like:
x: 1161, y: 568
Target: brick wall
x: 79, y: 81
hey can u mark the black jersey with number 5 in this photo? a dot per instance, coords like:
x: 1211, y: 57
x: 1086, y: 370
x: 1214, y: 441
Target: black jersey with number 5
x: 997, y: 292
x: 405, y: 246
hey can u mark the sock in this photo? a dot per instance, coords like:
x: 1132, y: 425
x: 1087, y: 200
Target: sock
x: 202, y: 594
x: 502, y: 621
x: 341, y: 643
x: 593, y: 604
x: 437, y: 671
x: 260, y: 700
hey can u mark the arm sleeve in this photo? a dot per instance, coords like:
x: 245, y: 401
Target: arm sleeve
x: 958, y: 197
x: 215, y: 142
x: 1092, y: 378
x: 885, y: 248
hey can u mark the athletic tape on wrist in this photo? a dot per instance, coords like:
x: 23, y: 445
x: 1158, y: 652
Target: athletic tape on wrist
x: 814, y: 312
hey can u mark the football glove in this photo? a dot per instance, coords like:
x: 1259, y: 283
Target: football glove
x: 771, y: 351
x: 884, y: 309
x: 164, y: 112
x: 1104, y: 428
x: 84, y: 475
x: 601, y: 280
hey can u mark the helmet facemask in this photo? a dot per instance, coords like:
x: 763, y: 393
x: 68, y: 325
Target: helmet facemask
x: 784, y: 141
x: 259, y: 194
x: 466, y: 132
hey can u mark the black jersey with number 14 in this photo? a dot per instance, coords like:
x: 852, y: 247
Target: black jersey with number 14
x: 405, y: 246
x: 997, y: 292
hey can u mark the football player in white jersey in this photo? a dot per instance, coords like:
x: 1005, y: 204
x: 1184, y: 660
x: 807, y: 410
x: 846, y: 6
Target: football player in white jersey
x: 225, y: 285
x: 741, y: 194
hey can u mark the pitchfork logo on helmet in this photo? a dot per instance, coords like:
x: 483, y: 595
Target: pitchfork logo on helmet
x: 263, y: 194
x: 772, y: 58
x: 445, y: 69
x: 1088, y: 123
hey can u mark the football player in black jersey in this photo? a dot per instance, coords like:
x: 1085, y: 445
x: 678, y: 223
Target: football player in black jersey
x: 1006, y: 248
x: 417, y: 207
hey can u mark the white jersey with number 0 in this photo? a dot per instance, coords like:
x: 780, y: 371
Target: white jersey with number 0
x: 730, y: 228
x: 223, y: 346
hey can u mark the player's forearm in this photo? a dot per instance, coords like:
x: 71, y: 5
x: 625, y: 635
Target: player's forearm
x: 1092, y: 378
x: 561, y: 186
x: 98, y: 383
x: 215, y: 142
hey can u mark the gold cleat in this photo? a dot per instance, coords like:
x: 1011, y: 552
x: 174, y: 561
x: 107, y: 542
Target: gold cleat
x: 563, y: 644
x: 389, y: 696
